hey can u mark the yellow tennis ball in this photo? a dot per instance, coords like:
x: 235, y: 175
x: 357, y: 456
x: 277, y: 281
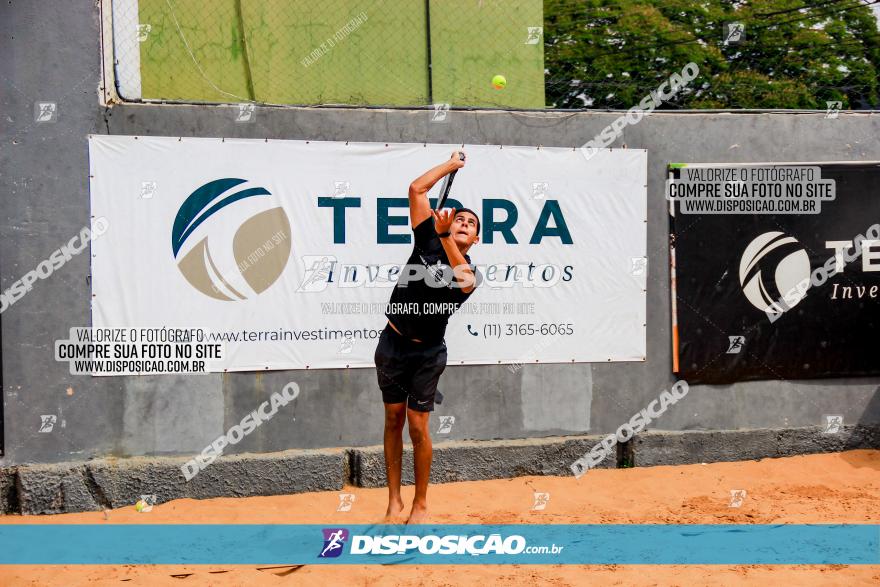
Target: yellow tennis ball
x: 499, y: 81
x: 140, y: 505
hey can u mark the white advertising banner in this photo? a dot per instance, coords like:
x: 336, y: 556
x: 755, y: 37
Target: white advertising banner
x: 287, y: 251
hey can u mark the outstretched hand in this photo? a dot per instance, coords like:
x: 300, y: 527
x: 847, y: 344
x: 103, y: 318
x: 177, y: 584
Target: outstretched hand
x: 443, y: 219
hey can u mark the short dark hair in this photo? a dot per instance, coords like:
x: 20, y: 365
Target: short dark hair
x: 469, y: 211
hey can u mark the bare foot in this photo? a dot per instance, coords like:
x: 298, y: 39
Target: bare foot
x: 395, y: 508
x: 419, y: 514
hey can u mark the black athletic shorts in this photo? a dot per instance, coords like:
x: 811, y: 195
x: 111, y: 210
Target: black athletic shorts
x: 409, y: 369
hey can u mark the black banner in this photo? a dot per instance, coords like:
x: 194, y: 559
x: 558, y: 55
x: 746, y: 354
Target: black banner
x: 749, y: 298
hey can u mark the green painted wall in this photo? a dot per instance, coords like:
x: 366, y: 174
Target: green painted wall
x: 196, y: 51
x: 472, y: 41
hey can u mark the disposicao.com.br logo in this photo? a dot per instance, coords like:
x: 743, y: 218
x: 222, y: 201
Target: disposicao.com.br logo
x: 334, y: 540
x: 229, y: 264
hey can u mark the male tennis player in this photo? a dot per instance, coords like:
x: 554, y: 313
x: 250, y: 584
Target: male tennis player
x: 411, y: 353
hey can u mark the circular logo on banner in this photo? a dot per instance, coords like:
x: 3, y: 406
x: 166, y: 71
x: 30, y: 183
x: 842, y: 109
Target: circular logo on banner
x: 771, y: 268
x: 260, y: 246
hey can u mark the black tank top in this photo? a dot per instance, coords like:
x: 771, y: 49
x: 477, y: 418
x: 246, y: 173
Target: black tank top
x: 408, y: 303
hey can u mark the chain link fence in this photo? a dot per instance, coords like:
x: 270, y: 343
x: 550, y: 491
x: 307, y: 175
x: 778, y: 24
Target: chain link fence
x: 523, y: 54
x: 353, y: 52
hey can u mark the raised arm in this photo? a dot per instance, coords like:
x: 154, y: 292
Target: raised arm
x: 419, y: 207
x: 463, y: 273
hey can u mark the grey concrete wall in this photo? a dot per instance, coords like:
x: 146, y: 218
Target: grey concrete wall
x: 51, y: 53
x: 112, y: 483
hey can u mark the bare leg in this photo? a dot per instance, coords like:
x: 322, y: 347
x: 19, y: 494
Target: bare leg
x: 395, y: 417
x: 422, y: 454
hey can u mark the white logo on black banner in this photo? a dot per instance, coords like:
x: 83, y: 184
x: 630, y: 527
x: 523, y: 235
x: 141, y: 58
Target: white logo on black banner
x: 772, y: 266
